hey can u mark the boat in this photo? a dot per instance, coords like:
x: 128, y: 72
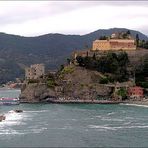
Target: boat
x: 9, y: 101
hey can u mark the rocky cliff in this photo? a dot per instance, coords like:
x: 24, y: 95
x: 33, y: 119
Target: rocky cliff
x: 35, y: 92
x: 73, y: 82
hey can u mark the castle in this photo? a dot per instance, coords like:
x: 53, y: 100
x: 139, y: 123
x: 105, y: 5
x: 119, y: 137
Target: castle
x: 115, y: 42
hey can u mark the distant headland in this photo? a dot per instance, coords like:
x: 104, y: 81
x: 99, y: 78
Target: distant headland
x: 113, y: 70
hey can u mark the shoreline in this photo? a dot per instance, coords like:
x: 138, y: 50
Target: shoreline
x: 142, y: 102
x: 76, y: 102
x: 130, y: 102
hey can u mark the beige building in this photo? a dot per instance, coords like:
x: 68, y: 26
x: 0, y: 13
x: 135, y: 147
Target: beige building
x: 35, y: 71
x: 114, y: 44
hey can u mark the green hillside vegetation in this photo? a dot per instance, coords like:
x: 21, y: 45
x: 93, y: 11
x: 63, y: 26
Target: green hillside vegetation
x: 113, y: 63
x: 142, y: 74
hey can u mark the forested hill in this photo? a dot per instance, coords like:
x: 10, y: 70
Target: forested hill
x: 17, y: 52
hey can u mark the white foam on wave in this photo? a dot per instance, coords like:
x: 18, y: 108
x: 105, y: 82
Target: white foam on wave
x: 98, y: 116
x: 112, y: 113
x: 12, y: 118
x: 117, y: 127
x: 36, y: 111
x: 101, y: 127
x: 37, y: 130
x: 63, y: 128
x: 133, y: 126
x: 127, y: 123
x: 138, y: 105
x: 10, y: 132
x: 112, y: 119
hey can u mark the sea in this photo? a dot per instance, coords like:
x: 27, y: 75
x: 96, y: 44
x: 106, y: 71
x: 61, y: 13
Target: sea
x: 73, y: 125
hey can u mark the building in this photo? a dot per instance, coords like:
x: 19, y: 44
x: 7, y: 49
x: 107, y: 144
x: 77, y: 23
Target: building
x: 117, y: 41
x: 35, y: 71
x: 135, y: 92
x: 114, y: 44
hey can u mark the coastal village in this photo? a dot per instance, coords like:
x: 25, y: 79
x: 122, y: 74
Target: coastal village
x: 73, y: 83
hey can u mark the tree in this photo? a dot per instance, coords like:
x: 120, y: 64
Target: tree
x: 123, y: 59
x: 80, y: 60
x: 61, y: 67
x: 103, y: 38
x: 94, y: 56
x: 128, y: 32
x: 145, y: 67
x: 112, y: 63
x: 87, y: 53
x: 137, y: 39
x: 146, y: 45
x: 122, y: 92
x: 68, y: 61
x: 104, y: 80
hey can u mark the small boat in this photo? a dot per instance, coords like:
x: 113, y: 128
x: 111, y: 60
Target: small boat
x: 9, y: 101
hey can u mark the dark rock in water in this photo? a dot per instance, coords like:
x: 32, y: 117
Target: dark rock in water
x: 18, y: 111
x: 2, y: 117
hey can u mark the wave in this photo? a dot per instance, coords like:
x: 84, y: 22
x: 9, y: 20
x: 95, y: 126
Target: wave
x: 136, y: 105
x: 112, y: 113
x: 101, y: 127
x: 117, y: 127
x: 112, y: 119
x: 98, y: 116
x: 10, y: 132
x: 21, y: 132
x: 37, y: 130
x: 13, y: 118
x: 127, y: 123
x: 36, y: 111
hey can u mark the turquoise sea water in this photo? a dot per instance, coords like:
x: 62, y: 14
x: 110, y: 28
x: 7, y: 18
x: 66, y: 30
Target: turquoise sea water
x: 73, y: 125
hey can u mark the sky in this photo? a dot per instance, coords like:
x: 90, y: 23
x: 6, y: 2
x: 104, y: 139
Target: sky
x: 33, y: 18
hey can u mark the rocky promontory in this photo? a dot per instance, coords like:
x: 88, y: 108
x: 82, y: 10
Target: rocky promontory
x: 70, y: 83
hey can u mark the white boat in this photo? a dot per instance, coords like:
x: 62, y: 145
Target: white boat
x: 9, y: 101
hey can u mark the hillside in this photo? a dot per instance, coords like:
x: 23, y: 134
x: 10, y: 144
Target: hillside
x: 17, y: 52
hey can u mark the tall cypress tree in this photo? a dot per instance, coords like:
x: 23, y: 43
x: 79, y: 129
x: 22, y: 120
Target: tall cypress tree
x: 137, y: 39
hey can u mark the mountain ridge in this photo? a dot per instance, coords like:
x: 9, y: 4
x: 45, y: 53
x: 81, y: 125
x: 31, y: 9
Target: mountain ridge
x: 51, y: 49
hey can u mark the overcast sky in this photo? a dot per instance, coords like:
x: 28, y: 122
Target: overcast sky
x: 32, y: 18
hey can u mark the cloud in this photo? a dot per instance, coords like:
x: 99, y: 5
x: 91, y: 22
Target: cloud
x: 32, y: 18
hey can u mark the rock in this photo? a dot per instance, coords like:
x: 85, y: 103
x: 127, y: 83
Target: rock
x: 2, y: 117
x: 18, y: 111
x: 35, y: 92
